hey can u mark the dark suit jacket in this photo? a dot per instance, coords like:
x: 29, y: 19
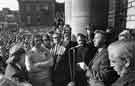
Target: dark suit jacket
x: 100, y: 68
x: 80, y: 54
x: 127, y: 80
x: 61, y: 72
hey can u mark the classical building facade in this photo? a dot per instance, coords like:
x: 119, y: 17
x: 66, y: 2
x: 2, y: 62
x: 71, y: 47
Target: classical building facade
x: 9, y: 20
x: 37, y: 12
x: 118, y: 14
x: 131, y: 14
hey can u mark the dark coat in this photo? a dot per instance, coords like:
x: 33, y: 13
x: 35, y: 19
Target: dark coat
x: 127, y: 80
x: 80, y: 54
x: 60, y: 71
x: 100, y: 68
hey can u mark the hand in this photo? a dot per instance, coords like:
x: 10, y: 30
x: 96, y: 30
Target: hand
x: 71, y: 84
x: 88, y: 74
x: 82, y: 65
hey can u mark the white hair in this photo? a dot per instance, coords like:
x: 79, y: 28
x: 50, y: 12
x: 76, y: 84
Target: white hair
x: 127, y: 48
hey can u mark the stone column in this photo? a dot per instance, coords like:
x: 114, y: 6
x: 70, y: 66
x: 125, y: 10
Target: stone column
x: 79, y: 13
x: 68, y: 11
x: 131, y: 14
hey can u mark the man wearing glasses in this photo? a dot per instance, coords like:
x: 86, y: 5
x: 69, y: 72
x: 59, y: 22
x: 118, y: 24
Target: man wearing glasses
x: 47, y: 41
x: 38, y: 63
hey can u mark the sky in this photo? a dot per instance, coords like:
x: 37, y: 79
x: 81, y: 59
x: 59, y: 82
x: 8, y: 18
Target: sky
x: 12, y: 4
x: 60, y: 1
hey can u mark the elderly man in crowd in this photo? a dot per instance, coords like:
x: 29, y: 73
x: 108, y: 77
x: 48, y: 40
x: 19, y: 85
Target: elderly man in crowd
x: 122, y: 58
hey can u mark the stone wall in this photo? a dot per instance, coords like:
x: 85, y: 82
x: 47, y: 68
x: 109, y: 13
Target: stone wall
x: 37, y: 12
x: 117, y: 15
x: 131, y: 14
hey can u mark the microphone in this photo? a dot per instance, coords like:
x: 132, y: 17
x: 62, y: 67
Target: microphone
x: 74, y: 47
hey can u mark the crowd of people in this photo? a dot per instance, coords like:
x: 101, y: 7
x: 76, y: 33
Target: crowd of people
x: 58, y: 58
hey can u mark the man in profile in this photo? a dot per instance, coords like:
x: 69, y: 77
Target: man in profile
x: 100, y: 71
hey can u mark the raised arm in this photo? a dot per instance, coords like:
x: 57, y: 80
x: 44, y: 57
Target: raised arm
x: 28, y: 63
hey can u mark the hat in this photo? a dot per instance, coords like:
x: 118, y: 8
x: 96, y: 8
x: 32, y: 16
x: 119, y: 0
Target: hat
x: 101, y: 31
x: 90, y: 27
x: 81, y: 35
x: 104, y: 33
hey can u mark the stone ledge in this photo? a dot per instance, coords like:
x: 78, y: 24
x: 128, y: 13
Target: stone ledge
x: 131, y: 11
x: 131, y: 0
x: 133, y: 17
x: 133, y: 3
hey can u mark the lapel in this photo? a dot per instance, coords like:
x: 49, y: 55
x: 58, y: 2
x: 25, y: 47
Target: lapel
x: 61, y: 49
x: 96, y: 57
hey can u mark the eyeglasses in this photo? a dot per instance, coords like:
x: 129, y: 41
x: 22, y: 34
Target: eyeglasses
x: 55, y: 37
x: 45, y: 39
x: 37, y: 39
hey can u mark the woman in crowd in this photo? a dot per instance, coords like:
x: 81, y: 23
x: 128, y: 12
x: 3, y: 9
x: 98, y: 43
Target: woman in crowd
x: 122, y: 59
x: 16, y: 65
x: 124, y: 35
x: 16, y: 70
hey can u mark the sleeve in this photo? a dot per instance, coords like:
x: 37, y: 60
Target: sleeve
x: 106, y: 73
x: 131, y: 83
x: 103, y: 71
x: 28, y: 63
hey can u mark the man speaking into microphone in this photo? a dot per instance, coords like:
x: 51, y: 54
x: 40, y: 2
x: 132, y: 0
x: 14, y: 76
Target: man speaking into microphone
x: 80, y: 56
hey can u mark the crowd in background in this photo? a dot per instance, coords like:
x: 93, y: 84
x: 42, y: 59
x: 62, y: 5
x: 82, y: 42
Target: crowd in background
x: 59, y: 58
